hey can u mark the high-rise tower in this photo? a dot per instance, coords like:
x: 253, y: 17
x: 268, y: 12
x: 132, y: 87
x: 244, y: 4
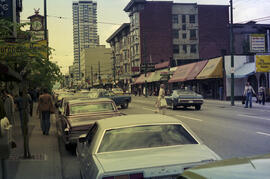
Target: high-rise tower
x: 84, y: 30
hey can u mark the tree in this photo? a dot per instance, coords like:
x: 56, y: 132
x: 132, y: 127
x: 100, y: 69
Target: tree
x: 27, y: 58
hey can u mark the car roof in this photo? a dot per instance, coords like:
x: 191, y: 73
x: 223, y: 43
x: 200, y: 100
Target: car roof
x: 88, y: 100
x: 136, y: 119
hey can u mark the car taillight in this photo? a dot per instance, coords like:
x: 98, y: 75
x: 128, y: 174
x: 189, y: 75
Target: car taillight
x: 131, y: 176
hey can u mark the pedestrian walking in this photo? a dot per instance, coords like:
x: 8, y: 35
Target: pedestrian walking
x: 45, y: 108
x: 9, y: 106
x: 261, y: 95
x: 161, y: 102
x: 23, y: 105
x: 248, y: 93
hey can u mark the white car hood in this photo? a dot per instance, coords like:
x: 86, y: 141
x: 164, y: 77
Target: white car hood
x: 155, y: 157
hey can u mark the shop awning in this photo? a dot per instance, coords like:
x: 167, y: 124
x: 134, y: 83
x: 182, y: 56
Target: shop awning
x: 156, y: 76
x: 213, y: 69
x: 196, y: 70
x: 141, y: 78
x: 182, y: 73
x: 162, y: 65
x: 244, y: 71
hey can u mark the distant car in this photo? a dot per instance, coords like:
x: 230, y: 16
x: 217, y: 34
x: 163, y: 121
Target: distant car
x: 120, y: 100
x: 240, y: 168
x: 80, y: 114
x: 185, y: 98
x: 140, y: 146
x: 118, y: 91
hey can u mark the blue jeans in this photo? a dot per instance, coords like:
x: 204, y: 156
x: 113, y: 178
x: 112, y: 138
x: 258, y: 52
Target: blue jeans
x: 248, y: 99
x: 45, y: 124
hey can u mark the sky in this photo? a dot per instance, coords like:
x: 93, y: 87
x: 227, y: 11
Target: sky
x: 111, y: 11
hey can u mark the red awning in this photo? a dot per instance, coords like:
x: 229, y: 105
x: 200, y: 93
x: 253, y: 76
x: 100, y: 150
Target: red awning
x: 196, y: 70
x: 162, y: 65
x: 182, y: 72
x: 141, y: 79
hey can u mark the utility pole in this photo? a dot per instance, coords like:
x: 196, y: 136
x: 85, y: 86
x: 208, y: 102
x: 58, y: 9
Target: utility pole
x: 45, y: 27
x: 92, y: 76
x: 113, y: 67
x: 145, y: 66
x: 232, y: 54
x: 99, y: 77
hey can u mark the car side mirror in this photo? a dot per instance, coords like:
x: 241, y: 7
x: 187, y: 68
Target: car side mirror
x: 82, y: 138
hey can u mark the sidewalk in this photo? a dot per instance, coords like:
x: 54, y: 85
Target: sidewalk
x: 46, y: 162
x: 151, y: 99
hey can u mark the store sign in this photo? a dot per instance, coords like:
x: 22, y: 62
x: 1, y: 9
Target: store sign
x: 15, y: 49
x: 257, y: 43
x: 6, y: 10
x: 262, y: 63
x: 37, y: 35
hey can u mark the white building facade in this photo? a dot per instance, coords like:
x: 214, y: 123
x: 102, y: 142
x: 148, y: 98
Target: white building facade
x: 84, y: 30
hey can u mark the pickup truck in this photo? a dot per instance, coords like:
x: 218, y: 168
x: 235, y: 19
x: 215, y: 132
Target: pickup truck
x: 119, y: 100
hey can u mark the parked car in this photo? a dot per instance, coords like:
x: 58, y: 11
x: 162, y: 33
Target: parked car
x: 118, y: 91
x: 120, y: 100
x: 78, y: 116
x: 240, y: 168
x: 140, y: 146
x: 185, y: 98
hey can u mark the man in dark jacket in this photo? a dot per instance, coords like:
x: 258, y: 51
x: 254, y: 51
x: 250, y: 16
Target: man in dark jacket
x: 45, y: 107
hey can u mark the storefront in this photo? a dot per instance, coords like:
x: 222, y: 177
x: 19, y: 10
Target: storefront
x: 210, y: 79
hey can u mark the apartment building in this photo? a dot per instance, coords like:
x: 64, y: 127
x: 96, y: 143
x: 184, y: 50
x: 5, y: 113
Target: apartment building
x: 96, y: 65
x: 184, y: 32
x: 84, y: 30
x: 122, y: 45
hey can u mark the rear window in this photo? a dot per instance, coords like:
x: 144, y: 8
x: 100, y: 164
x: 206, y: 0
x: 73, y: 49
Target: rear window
x: 84, y: 108
x: 138, y: 137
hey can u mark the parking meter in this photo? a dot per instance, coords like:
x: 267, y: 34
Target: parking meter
x: 5, y: 138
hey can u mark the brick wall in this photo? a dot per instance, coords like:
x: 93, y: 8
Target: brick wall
x: 213, y: 30
x: 156, y: 31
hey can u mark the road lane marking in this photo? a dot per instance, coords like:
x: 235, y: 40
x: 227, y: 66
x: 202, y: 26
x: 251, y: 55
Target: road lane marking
x: 243, y: 115
x: 149, y: 109
x: 262, y: 133
x: 195, y: 119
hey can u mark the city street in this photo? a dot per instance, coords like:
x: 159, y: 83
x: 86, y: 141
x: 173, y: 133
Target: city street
x: 229, y: 131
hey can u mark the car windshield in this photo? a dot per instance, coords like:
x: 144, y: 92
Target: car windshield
x: 181, y: 92
x: 145, y: 137
x: 96, y: 107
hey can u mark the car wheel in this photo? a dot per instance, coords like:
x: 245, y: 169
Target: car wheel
x: 198, y: 107
x: 124, y: 105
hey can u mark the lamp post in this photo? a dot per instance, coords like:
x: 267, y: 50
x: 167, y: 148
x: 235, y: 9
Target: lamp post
x: 232, y: 54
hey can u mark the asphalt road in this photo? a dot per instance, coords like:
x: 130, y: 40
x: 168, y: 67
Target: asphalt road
x: 229, y: 131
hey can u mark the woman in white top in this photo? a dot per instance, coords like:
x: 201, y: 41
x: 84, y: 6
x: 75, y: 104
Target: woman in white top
x: 161, y: 102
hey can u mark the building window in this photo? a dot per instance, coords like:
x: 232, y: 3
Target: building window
x: 184, y: 27
x: 175, y: 19
x: 183, y: 18
x: 185, y: 48
x: 176, y: 49
x: 193, y: 49
x: 192, y: 19
x: 175, y: 34
x: 192, y: 34
x: 184, y: 36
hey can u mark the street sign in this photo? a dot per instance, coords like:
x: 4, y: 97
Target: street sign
x: 6, y: 9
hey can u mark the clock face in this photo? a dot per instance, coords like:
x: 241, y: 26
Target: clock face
x: 36, y: 25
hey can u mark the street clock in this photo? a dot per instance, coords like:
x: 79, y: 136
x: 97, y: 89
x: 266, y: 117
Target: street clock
x: 36, y: 25
x: 36, y: 21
